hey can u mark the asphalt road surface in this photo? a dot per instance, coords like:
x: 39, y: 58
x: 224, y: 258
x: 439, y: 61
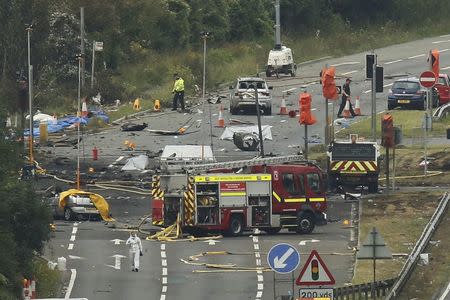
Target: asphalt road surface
x: 95, y: 256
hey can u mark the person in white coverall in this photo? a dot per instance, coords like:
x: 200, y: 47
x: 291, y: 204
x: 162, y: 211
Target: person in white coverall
x: 135, y: 245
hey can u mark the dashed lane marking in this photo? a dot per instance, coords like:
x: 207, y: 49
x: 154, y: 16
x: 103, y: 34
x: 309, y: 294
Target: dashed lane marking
x: 440, y: 42
x: 164, y: 272
x: 74, y: 230
x: 260, y: 282
x: 73, y: 276
x: 393, y: 62
x: 70, y: 247
x: 446, y: 68
x: 389, y: 84
x: 444, y: 50
x: 345, y: 63
x: 416, y: 56
x: 350, y: 72
x: 72, y: 238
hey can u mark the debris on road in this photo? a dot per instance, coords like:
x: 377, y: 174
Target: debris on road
x: 133, y: 127
x: 240, y: 122
x: 246, y: 141
x: 137, y: 163
x: 229, y: 131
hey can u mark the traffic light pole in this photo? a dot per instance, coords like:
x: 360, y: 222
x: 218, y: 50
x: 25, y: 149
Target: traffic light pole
x: 425, y: 142
x: 327, y: 124
x: 306, y: 142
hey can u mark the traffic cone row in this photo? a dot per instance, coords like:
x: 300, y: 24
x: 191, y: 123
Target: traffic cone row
x: 283, y: 109
x: 221, y: 121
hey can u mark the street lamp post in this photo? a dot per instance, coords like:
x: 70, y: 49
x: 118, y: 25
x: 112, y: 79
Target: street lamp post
x: 258, y: 114
x: 205, y: 35
x: 30, y: 93
x: 80, y: 59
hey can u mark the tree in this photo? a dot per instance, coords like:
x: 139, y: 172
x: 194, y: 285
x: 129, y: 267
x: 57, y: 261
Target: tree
x: 250, y: 20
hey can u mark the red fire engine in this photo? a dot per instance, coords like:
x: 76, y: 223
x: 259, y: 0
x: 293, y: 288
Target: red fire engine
x: 267, y: 197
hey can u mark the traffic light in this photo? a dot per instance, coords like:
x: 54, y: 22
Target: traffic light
x: 306, y: 118
x: 387, y: 131
x: 314, y: 269
x: 370, y: 60
x: 379, y: 79
x: 329, y: 86
x: 434, y: 62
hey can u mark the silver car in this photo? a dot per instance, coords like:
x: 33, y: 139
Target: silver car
x: 77, y: 207
x: 243, y: 95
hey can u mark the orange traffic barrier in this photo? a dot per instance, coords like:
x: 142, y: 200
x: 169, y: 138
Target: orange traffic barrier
x: 346, y: 114
x: 283, y: 109
x: 357, y: 107
x: 221, y: 121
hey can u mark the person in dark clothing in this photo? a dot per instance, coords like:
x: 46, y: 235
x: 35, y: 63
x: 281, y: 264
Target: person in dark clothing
x: 345, y: 95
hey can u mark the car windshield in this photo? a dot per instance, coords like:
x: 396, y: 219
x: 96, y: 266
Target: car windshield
x: 249, y: 84
x: 406, y: 85
x: 441, y: 80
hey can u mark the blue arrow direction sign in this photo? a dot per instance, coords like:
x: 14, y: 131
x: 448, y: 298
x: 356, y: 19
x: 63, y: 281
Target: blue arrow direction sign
x: 283, y: 258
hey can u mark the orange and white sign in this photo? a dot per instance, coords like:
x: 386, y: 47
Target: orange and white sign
x: 315, y: 272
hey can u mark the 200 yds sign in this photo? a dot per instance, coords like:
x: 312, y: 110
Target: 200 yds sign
x: 310, y: 294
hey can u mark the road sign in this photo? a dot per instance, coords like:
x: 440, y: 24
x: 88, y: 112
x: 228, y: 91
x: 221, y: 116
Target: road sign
x: 315, y: 272
x: 98, y: 46
x: 427, y: 79
x: 317, y: 293
x: 283, y: 258
x: 374, y: 247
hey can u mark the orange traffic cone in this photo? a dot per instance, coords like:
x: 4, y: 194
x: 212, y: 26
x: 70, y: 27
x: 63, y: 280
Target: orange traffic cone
x: 346, y: 114
x: 357, y: 106
x: 157, y: 106
x: 84, y: 110
x: 221, y: 121
x: 283, y: 109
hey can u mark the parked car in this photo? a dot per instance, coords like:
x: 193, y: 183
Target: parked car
x: 76, y: 208
x: 243, y: 95
x: 408, y: 93
x: 443, y: 87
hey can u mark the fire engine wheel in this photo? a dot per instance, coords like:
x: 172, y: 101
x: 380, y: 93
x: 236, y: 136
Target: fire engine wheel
x: 236, y: 226
x: 68, y: 214
x: 373, y: 187
x: 305, y: 223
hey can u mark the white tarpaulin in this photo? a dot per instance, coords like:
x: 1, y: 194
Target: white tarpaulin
x: 40, y: 117
x: 136, y: 163
x: 229, y: 131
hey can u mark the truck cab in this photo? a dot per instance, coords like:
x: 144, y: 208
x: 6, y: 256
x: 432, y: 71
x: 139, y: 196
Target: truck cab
x: 443, y: 87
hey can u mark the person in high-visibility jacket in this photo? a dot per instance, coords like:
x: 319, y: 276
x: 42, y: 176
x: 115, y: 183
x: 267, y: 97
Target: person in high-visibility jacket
x: 178, y: 91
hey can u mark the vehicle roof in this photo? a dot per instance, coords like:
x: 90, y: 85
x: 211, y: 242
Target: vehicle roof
x: 250, y: 79
x: 411, y: 79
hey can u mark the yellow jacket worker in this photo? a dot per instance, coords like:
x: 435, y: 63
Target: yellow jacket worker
x: 178, y: 91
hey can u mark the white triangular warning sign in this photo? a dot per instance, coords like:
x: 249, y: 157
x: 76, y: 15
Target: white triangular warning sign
x: 315, y: 272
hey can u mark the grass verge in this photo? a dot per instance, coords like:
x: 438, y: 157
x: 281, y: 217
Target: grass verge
x: 47, y: 281
x: 410, y: 121
x: 400, y: 219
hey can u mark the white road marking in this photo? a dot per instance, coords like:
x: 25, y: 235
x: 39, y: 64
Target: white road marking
x: 164, y: 289
x: 75, y: 257
x: 259, y: 295
x: 70, y: 246
x: 393, y: 62
x: 446, y: 68
x: 72, y: 238
x: 163, y: 297
x: 260, y: 286
x: 258, y: 262
x: 444, y: 50
x: 260, y: 282
x: 74, y: 230
x: 255, y: 239
x: 258, y: 272
x: 163, y: 246
x: 416, y: 56
x: 164, y: 280
x: 164, y: 271
x: 257, y: 255
x: 73, y: 276
x: 164, y: 262
x: 256, y: 246
x: 120, y: 158
x: 350, y: 72
x: 444, y: 35
x: 389, y: 84
x: 444, y: 294
x: 366, y: 92
x: 260, y: 278
x: 163, y: 254
x: 439, y: 42
x: 345, y: 63
x: 117, y: 261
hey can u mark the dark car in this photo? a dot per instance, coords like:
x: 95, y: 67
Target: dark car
x: 408, y: 93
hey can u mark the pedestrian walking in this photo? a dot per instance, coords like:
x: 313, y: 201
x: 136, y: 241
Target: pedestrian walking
x: 345, y: 96
x: 135, y: 245
x: 178, y: 91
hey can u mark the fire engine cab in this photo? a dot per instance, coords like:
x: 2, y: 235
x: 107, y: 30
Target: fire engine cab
x: 267, y: 197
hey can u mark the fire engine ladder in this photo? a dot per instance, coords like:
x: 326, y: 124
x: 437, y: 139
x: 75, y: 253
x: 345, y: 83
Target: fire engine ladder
x: 246, y: 163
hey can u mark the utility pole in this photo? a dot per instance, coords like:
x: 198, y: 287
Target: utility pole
x: 30, y: 93
x: 258, y: 113
x: 80, y: 58
x: 82, y: 45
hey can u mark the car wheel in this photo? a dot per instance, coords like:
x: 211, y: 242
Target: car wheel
x: 236, y: 226
x: 373, y: 187
x: 390, y: 106
x: 305, y: 222
x: 68, y: 214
